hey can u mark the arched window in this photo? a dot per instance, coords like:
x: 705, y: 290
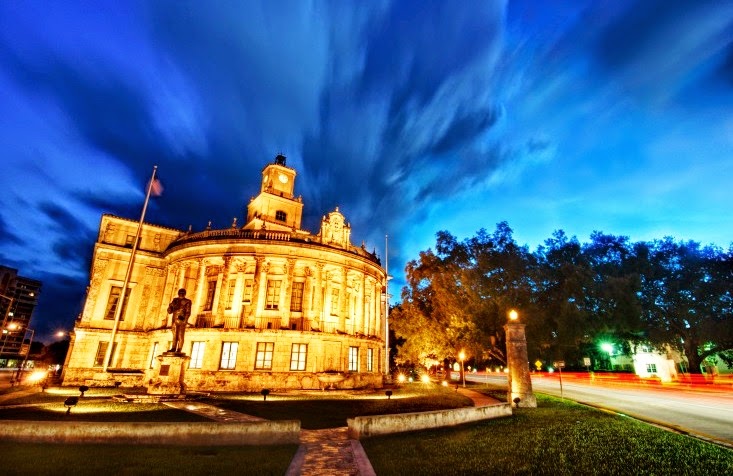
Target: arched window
x: 281, y: 215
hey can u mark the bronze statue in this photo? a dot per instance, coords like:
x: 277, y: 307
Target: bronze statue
x: 180, y: 307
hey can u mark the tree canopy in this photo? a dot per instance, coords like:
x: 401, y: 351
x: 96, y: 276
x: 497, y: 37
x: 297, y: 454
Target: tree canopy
x: 570, y: 294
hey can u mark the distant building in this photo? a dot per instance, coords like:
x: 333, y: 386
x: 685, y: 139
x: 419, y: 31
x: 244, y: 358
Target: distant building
x: 273, y: 306
x: 666, y: 363
x: 18, y: 299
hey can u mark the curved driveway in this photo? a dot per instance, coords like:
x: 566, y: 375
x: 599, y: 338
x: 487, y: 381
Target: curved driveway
x: 705, y: 411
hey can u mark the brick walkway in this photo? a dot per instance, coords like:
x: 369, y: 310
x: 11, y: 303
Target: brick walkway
x: 479, y: 399
x: 329, y: 451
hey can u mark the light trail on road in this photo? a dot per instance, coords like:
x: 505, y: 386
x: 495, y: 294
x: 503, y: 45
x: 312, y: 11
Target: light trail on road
x: 705, y: 411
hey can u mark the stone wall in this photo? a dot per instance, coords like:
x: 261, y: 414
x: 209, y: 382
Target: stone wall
x: 366, y: 426
x: 180, y: 434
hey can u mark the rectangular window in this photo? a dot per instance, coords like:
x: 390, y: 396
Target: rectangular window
x: 197, y: 355
x: 230, y: 292
x: 334, y: 302
x: 228, y: 355
x: 297, y: 356
x: 154, y: 355
x: 651, y: 368
x: 273, y: 294
x: 370, y: 360
x: 263, y: 361
x: 296, y: 299
x: 247, y: 294
x: 210, y: 290
x: 101, y: 352
x: 353, y: 359
x: 114, y: 298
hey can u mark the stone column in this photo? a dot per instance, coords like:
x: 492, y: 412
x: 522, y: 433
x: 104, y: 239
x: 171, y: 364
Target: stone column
x: 222, y: 284
x: 181, y: 277
x: 239, y: 291
x: 93, y: 289
x: 169, y: 291
x: 288, y: 289
x: 343, y: 300
x: 520, y: 384
x: 362, y: 303
x: 261, y: 287
x: 200, y: 286
x: 308, y: 294
x: 319, y: 305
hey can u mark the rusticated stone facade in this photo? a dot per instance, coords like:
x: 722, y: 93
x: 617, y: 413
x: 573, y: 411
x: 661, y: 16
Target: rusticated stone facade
x: 273, y: 306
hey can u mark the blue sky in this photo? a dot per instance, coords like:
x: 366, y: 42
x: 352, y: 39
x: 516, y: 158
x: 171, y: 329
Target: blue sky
x: 411, y: 116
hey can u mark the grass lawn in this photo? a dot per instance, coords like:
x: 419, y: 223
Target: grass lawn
x: 317, y: 410
x: 557, y: 438
x: 96, y: 460
x: 96, y: 405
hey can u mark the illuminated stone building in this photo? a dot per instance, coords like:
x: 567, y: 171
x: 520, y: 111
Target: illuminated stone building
x: 273, y: 306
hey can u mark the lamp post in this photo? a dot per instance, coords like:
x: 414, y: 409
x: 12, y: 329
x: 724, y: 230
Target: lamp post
x: 387, y: 277
x: 462, y: 356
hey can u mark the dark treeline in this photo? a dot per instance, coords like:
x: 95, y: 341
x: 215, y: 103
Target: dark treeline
x: 571, y: 295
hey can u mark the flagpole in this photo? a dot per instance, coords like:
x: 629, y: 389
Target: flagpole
x: 128, y: 274
x: 386, y: 308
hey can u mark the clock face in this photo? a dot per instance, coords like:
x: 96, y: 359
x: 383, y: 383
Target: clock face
x: 283, y: 178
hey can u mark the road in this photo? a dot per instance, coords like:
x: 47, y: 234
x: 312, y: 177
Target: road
x: 705, y: 411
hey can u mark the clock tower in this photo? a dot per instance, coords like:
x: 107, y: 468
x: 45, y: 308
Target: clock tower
x: 275, y: 208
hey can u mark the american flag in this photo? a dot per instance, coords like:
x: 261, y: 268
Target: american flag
x: 156, y: 188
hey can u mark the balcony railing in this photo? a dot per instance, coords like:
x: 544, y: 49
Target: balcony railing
x: 209, y: 320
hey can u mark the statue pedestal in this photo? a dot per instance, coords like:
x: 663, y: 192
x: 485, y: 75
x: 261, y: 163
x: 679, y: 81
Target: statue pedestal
x: 168, y: 374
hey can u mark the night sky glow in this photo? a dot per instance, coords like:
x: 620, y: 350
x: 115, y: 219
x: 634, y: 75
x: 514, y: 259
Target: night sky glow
x: 411, y: 116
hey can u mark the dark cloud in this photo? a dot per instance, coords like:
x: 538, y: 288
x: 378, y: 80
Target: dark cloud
x: 60, y: 302
x: 725, y: 71
x: 65, y: 233
x: 465, y: 129
x: 416, y: 44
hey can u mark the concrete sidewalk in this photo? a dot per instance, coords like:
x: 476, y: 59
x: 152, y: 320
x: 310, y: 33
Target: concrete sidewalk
x: 10, y: 392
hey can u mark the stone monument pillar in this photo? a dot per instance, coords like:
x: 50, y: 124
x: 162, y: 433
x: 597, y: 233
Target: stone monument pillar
x: 520, y: 384
x: 168, y: 374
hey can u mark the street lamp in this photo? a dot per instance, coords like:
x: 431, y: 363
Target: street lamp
x: 462, y: 356
x: 608, y: 347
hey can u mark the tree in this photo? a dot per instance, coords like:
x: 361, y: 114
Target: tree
x: 458, y: 297
x: 564, y: 280
x: 686, y: 298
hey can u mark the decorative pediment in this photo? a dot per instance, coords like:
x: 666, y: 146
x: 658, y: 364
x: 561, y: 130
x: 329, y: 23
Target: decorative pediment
x: 335, y: 230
